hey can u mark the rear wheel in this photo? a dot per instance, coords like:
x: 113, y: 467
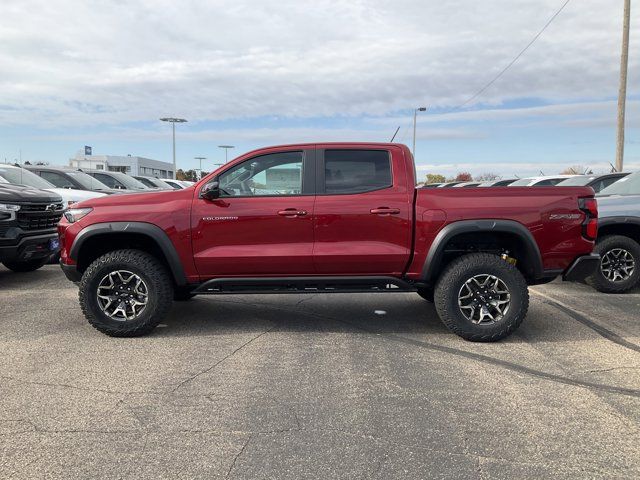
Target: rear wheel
x: 619, y: 269
x: 125, y: 293
x: 26, y: 265
x: 481, y: 298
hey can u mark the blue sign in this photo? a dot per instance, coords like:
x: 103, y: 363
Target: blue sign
x: 87, y: 150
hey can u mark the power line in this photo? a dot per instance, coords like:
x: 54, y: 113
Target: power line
x: 502, y: 72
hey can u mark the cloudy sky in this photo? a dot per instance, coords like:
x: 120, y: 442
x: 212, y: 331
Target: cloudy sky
x: 257, y: 73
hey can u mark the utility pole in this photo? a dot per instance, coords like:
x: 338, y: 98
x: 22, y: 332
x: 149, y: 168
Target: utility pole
x: 622, y: 93
x: 415, y: 114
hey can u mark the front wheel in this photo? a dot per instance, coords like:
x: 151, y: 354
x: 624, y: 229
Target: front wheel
x: 619, y: 269
x: 481, y: 298
x: 125, y: 293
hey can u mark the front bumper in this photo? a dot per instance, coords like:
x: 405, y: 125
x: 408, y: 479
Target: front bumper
x: 581, y: 268
x: 30, y: 248
x: 71, y: 272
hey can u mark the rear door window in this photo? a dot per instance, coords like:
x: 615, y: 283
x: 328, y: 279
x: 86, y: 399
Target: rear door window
x: 356, y: 171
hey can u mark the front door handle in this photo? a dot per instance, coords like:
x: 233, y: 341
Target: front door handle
x: 385, y: 211
x: 292, y: 212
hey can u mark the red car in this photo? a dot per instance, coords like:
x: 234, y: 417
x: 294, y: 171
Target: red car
x: 333, y: 217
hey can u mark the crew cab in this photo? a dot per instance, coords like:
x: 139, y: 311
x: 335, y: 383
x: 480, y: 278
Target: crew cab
x: 330, y: 217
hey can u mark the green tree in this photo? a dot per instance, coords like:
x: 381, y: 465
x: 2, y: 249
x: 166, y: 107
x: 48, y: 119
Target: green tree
x: 434, y: 178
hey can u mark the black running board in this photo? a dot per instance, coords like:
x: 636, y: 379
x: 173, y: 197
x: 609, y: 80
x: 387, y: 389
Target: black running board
x: 304, y: 285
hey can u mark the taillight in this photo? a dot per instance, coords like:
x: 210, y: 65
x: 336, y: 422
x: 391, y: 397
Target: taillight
x: 589, y: 206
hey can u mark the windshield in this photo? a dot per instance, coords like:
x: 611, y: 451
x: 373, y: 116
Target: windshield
x: 523, y: 182
x: 162, y: 184
x: 579, y: 181
x: 629, y: 185
x: 87, y: 181
x: 128, y: 181
x: 20, y: 176
x: 147, y: 182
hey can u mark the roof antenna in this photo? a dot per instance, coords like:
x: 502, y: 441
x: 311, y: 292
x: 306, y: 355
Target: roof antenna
x: 613, y: 169
x: 394, y: 135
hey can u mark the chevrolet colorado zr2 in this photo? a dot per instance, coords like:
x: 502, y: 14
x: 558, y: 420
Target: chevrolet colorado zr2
x: 329, y: 218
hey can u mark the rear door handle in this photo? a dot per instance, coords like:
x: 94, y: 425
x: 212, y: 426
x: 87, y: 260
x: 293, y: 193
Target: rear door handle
x: 385, y: 211
x: 292, y: 212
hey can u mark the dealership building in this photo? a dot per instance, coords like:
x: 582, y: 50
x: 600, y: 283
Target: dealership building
x: 127, y: 164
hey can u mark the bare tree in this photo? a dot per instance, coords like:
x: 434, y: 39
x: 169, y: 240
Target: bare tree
x: 488, y: 176
x: 574, y: 170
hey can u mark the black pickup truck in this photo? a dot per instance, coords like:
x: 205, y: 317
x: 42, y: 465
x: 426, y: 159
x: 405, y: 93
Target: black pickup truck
x: 28, y: 219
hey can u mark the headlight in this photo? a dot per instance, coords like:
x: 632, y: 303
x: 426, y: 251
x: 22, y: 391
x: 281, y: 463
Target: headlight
x: 74, y: 214
x: 7, y: 207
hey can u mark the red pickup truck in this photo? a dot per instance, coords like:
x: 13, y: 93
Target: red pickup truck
x: 331, y: 217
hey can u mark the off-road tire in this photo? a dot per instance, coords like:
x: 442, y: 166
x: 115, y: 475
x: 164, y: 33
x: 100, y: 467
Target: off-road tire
x: 453, y: 278
x: 26, y: 265
x: 152, y: 272
x: 426, y: 293
x: 180, y: 295
x: 601, y: 283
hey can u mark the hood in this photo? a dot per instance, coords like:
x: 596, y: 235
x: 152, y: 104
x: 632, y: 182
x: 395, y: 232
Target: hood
x: 74, y: 196
x: 151, y: 197
x: 619, y: 206
x: 19, y: 193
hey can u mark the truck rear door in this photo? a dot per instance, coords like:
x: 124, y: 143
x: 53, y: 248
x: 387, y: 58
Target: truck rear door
x: 362, y: 220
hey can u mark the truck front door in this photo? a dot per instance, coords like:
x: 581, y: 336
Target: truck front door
x: 262, y: 223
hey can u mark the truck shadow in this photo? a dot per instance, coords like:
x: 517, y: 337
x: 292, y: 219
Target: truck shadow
x: 400, y: 314
x: 324, y: 313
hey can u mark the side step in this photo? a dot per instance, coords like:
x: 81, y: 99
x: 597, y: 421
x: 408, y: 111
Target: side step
x: 304, y: 285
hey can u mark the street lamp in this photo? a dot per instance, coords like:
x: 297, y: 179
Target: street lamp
x: 415, y: 114
x: 226, y: 151
x: 200, y: 158
x: 173, y: 122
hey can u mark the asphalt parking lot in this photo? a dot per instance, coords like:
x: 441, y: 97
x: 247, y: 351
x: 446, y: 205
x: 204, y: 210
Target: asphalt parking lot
x: 317, y: 386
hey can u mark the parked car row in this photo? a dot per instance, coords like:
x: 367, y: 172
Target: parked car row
x: 103, y: 180
x: 33, y: 200
x: 597, y: 182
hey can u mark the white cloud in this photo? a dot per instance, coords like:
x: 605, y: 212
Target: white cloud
x: 92, y: 63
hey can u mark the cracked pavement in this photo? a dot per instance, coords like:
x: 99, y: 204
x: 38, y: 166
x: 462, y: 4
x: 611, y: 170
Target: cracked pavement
x: 317, y: 386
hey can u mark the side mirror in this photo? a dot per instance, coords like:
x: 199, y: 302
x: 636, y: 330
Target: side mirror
x: 211, y: 190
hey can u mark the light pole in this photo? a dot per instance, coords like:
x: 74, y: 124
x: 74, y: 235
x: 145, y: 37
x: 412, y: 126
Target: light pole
x: 415, y: 114
x: 173, y: 122
x: 200, y: 158
x: 226, y: 150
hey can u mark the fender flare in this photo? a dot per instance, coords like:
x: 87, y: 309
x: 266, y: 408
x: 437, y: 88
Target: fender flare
x: 433, y: 262
x: 618, y: 220
x: 148, y: 229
